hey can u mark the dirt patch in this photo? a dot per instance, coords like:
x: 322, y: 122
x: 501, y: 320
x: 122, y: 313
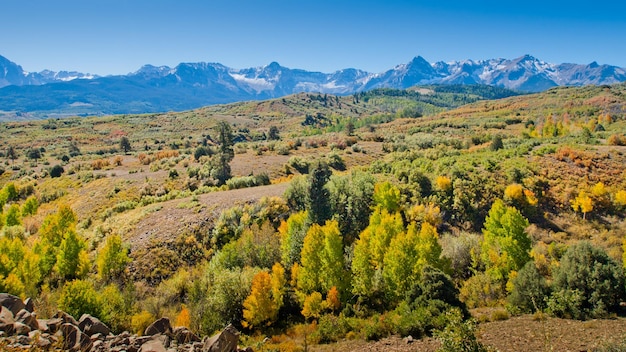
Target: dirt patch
x: 527, y: 334
x: 168, y: 220
x: 516, y: 334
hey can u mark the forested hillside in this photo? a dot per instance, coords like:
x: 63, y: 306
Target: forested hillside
x: 315, y: 218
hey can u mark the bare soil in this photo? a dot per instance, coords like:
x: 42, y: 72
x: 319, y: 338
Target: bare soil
x: 171, y: 220
x: 523, y: 333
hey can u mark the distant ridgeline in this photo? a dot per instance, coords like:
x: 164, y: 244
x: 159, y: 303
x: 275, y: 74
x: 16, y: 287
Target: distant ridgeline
x: 192, y: 85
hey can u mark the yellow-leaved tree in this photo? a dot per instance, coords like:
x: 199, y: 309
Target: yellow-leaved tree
x: 582, y: 203
x: 261, y: 307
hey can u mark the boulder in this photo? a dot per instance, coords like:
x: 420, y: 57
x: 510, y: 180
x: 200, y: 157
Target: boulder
x: 29, y: 305
x: 6, y: 316
x: 157, y: 344
x: 13, y: 303
x: 184, y: 335
x: 66, y: 318
x: 161, y: 326
x: 21, y: 329
x: 28, y: 318
x: 74, y: 339
x: 225, y: 341
x: 7, y: 329
x: 91, y: 325
x: 50, y: 325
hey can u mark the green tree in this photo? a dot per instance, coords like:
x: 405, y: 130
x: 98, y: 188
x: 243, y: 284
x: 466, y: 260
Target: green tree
x: 351, y: 199
x: 317, y: 195
x: 530, y: 289
x: 370, y: 250
x: 79, y: 297
x: 407, y: 256
x: 322, y: 259
x: 225, y: 140
x: 30, y: 206
x: 274, y: 134
x: 125, y: 144
x: 292, y: 233
x: 220, y: 168
x: 11, y: 154
x: 506, y: 246
x: 34, y: 154
x: 387, y: 196
x: 13, y: 216
x: 112, y: 258
x: 496, y: 143
x: 72, y: 261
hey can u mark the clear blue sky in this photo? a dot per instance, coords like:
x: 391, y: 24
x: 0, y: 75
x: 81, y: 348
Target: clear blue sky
x: 119, y: 36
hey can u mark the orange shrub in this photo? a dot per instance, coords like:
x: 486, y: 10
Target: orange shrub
x: 99, y: 164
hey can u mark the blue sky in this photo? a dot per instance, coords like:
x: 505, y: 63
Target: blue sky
x: 119, y: 36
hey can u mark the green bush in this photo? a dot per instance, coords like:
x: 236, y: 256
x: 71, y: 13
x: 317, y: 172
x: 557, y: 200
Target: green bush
x: 530, y: 289
x: 587, y: 284
x: 56, y: 171
x: 299, y: 164
x: 459, y: 335
x: 79, y: 297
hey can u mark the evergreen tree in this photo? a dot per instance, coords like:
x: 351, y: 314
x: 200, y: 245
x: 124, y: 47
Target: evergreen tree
x: 317, y: 195
x: 125, y: 144
x: 11, y: 154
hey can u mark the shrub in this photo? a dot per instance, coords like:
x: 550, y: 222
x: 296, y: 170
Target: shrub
x: 616, y: 139
x: 530, y: 289
x: 79, y: 297
x: 299, y: 164
x: 56, y: 171
x: 140, y: 321
x: 587, y: 284
x: 459, y: 335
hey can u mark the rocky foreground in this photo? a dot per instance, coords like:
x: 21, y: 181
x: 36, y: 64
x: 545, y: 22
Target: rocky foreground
x: 21, y: 330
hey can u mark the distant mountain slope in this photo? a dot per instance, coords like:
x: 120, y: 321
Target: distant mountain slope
x: 192, y: 85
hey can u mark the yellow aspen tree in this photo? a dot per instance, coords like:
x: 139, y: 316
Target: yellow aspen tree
x: 582, y: 203
x: 259, y: 307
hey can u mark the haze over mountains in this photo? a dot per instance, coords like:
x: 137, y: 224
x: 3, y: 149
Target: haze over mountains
x: 192, y: 85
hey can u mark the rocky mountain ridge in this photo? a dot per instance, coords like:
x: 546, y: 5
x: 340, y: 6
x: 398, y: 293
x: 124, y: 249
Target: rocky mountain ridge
x: 192, y: 85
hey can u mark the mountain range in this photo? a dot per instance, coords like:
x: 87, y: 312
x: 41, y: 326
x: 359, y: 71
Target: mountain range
x: 192, y: 85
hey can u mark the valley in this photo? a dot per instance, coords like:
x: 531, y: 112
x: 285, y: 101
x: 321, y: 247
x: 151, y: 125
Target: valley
x: 329, y: 221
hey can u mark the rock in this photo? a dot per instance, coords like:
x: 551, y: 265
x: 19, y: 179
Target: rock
x: 225, y: 341
x: 29, y: 305
x: 28, y: 318
x: 6, y: 316
x: 98, y: 345
x: 154, y: 345
x: 7, y: 328
x: 43, y: 343
x: 184, y: 335
x: 161, y: 326
x: 13, y: 303
x: 66, y: 318
x: 74, y: 339
x: 409, y: 339
x: 21, y: 329
x: 23, y: 340
x: 91, y: 325
x: 50, y: 325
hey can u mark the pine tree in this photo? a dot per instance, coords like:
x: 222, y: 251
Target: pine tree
x: 317, y: 196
